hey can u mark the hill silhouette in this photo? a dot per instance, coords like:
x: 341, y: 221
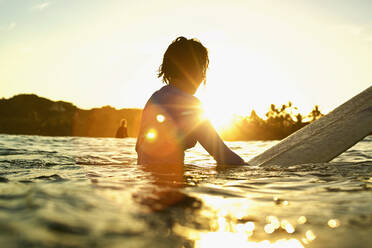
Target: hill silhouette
x: 31, y: 114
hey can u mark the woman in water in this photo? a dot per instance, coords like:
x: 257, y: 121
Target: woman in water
x: 171, y: 120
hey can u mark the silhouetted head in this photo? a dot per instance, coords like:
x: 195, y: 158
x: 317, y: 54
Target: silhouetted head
x: 186, y: 61
x: 123, y: 122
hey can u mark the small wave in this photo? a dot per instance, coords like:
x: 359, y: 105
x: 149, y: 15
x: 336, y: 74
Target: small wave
x: 86, y: 192
x: 4, y: 180
x: 54, y: 177
x: 97, y: 163
x: 28, y: 163
x: 61, y: 227
x: 10, y: 151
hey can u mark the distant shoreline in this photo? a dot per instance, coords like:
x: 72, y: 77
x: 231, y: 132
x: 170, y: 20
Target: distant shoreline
x: 29, y: 114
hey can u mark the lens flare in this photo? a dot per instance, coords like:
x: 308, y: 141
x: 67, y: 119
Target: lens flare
x: 160, y: 118
x: 151, y: 135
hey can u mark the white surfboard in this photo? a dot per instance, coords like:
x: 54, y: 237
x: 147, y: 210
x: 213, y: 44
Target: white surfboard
x: 326, y: 138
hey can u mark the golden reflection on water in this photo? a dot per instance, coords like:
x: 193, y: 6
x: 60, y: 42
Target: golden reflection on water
x: 310, y: 235
x: 238, y: 238
x: 273, y: 221
x: 230, y: 226
x: 301, y: 220
x: 269, y: 228
x: 333, y: 223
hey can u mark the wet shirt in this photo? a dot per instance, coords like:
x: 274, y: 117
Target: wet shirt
x: 171, y: 123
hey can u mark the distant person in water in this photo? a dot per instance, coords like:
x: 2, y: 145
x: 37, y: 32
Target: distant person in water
x: 122, y: 131
x: 171, y: 120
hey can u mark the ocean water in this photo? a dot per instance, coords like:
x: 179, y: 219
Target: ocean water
x: 89, y: 192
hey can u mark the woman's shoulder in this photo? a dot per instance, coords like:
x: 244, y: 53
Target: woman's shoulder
x: 174, y: 102
x: 170, y: 94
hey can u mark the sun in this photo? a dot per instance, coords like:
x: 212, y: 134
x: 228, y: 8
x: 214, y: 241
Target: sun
x: 220, y: 113
x: 219, y: 118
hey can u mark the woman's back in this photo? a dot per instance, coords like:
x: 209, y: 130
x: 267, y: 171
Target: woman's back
x: 166, y: 128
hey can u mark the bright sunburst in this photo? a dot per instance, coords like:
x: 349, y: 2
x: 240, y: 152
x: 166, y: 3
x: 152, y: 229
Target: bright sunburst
x: 217, y: 111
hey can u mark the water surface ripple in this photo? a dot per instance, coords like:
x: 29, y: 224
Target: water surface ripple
x: 89, y: 192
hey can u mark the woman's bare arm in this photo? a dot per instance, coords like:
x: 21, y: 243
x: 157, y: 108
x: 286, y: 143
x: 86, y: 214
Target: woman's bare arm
x: 208, y: 137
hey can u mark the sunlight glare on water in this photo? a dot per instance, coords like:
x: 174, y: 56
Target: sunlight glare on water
x: 84, y: 192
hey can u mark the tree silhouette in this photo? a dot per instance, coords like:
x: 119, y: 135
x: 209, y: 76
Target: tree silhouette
x: 315, y: 113
x: 30, y: 114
